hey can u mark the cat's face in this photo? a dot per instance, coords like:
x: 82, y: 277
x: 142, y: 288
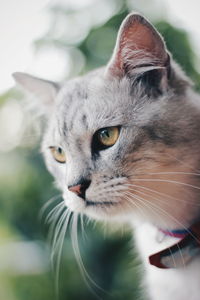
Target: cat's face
x: 118, y: 139
x: 97, y: 126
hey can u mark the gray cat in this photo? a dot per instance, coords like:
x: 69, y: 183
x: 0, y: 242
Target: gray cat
x: 123, y: 144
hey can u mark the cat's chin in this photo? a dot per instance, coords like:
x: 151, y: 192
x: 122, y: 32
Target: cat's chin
x: 89, y: 208
x: 74, y: 203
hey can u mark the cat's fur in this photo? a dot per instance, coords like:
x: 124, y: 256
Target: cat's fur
x: 149, y: 176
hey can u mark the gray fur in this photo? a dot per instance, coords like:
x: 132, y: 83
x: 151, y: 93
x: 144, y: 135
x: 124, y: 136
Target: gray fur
x: 153, y: 103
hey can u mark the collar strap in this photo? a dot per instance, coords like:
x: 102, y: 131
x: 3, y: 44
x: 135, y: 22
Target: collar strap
x: 181, y: 253
x: 179, y: 233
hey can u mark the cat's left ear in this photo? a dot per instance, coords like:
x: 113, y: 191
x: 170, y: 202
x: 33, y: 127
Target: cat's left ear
x: 139, y: 49
x: 44, y: 90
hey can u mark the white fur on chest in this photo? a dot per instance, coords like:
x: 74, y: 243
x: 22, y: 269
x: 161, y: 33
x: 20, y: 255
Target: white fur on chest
x: 166, y: 284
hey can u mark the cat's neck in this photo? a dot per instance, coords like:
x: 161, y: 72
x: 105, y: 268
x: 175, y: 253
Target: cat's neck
x: 184, y: 279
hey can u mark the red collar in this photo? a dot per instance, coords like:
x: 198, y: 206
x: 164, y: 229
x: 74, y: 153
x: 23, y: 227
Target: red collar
x: 181, y: 253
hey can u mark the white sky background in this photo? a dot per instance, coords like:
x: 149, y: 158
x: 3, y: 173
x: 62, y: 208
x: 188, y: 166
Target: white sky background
x: 23, y: 21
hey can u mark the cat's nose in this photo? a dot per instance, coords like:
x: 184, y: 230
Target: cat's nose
x: 80, y: 188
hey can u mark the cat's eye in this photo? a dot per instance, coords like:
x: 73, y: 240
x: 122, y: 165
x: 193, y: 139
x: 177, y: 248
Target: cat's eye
x: 105, y: 137
x: 108, y: 136
x: 58, y: 154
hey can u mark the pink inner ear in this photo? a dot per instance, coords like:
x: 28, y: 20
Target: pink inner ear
x: 138, y: 43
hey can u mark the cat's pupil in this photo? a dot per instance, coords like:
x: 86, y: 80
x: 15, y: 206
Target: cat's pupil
x: 59, y: 150
x: 105, y: 133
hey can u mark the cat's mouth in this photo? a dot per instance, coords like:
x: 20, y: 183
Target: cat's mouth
x: 99, y: 203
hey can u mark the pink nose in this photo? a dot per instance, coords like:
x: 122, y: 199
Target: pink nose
x: 80, y: 189
x: 75, y: 189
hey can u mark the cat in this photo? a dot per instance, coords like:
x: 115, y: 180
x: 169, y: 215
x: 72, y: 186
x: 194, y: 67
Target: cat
x: 123, y: 144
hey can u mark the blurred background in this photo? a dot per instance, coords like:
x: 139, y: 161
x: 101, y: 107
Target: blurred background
x: 58, y: 40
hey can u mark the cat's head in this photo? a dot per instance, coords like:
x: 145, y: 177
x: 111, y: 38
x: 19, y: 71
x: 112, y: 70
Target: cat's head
x: 122, y: 141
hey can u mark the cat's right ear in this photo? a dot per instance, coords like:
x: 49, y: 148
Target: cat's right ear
x: 46, y: 91
x: 139, y: 49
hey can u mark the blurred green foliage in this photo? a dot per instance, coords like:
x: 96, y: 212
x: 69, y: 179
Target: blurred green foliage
x: 178, y: 44
x: 25, y: 186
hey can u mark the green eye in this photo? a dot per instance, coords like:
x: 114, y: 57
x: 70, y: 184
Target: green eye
x: 58, y: 154
x: 108, y: 136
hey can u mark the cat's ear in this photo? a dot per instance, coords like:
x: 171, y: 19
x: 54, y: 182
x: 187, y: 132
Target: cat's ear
x: 139, y: 49
x: 44, y: 90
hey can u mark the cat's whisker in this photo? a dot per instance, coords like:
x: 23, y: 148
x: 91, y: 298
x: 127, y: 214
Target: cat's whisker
x: 169, y: 173
x: 60, y: 248
x: 148, y: 203
x: 88, y: 221
x: 63, y: 218
x: 54, y: 220
x: 47, y: 204
x: 57, y: 233
x: 75, y: 244
x: 57, y: 218
x: 183, y: 163
x: 126, y: 196
x: 94, y: 224
x: 140, y: 170
x: 53, y: 212
x: 84, y: 235
x: 159, y: 200
x: 163, y: 200
x: 149, y: 190
x: 180, y: 224
x: 166, y: 181
x: 179, y: 249
x: 143, y: 201
x: 159, y: 193
x: 151, y: 196
x: 105, y: 228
